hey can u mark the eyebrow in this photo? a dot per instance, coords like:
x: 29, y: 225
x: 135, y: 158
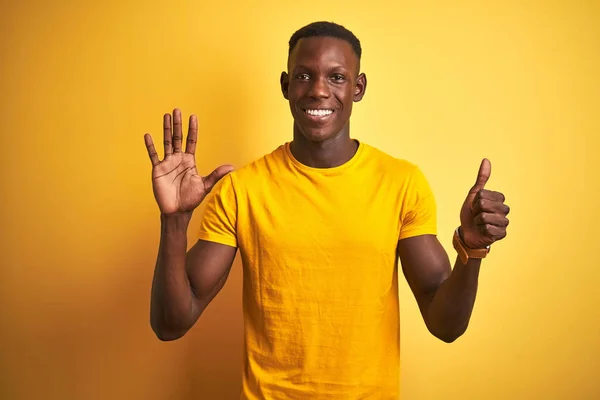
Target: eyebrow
x: 336, y: 66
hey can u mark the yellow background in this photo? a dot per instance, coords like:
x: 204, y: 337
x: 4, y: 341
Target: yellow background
x: 448, y: 83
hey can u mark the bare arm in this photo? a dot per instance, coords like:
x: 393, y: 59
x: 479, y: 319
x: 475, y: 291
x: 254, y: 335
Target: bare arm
x: 185, y: 283
x: 445, y: 296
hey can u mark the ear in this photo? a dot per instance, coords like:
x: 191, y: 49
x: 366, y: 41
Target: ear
x: 284, y: 80
x: 360, y: 88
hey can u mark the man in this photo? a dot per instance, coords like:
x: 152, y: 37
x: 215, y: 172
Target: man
x: 320, y: 223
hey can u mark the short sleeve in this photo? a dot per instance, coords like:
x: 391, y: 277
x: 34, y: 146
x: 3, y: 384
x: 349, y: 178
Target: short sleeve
x: 419, y: 212
x: 220, y: 215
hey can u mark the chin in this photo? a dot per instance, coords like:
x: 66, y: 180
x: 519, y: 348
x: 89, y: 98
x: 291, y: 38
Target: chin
x: 317, y: 135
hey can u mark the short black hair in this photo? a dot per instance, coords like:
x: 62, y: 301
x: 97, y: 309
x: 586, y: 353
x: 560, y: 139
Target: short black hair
x: 325, y: 29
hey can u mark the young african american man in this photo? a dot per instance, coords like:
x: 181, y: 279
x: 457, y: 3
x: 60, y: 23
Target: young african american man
x: 320, y: 223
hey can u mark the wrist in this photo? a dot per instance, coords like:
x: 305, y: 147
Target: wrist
x: 465, y: 252
x: 466, y: 244
x: 461, y: 235
x: 175, y: 222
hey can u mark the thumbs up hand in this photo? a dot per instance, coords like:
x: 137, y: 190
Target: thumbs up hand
x: 483, y: 215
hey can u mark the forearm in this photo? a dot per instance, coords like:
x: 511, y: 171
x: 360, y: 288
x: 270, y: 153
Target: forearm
x: 173, y: 307
x: 450, y: 308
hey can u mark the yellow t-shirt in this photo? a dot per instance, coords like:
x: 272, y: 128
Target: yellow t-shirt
x: 320, y: 287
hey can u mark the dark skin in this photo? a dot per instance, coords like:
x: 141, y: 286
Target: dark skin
x: 321, y: 85
x: 323, y: 73
x: 446, y: 296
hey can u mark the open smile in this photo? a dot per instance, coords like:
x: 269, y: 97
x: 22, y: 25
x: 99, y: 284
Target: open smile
x: 318, y: 114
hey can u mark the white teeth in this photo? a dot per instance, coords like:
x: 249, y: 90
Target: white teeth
x: 319, y: 113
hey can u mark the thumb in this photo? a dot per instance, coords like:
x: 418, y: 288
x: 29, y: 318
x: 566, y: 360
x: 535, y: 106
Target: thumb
x: 215, y: 176
x: 485, y: 169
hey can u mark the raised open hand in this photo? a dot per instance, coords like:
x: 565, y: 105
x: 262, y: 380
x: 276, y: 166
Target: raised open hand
x: 483, y: 214
x: 175, y: 181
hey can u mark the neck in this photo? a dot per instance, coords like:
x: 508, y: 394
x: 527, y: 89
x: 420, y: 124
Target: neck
x: 329, y: 153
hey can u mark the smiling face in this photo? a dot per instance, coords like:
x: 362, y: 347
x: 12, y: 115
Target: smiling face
x: 321, y: 85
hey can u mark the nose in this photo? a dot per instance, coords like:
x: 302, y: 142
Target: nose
x: 319, y: 89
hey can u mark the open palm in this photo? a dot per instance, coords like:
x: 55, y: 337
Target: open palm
x: 175, y: 181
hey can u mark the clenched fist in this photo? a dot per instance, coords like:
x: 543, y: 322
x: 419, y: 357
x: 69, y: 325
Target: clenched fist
x: 483, y: 214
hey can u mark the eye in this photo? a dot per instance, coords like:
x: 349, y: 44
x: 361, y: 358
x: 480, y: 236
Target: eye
x: 338, y: 77
x: 302, y: 77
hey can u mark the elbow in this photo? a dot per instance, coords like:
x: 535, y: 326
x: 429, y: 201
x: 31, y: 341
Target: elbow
x: 448, y: 335
x: 165, y: 333
x: 172, y: 325
x: 167, y: 336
